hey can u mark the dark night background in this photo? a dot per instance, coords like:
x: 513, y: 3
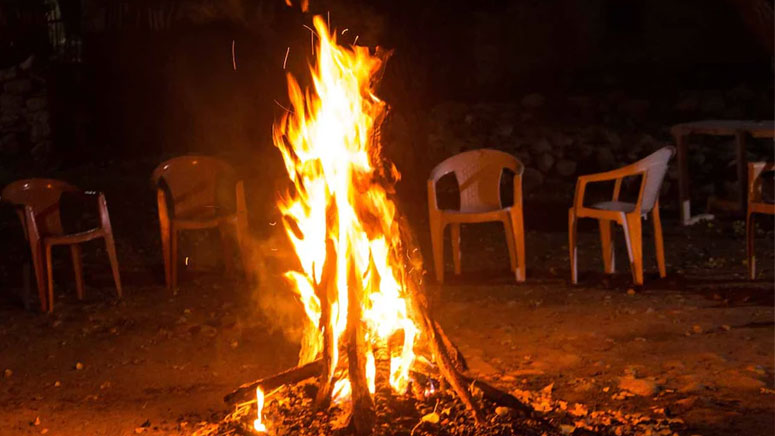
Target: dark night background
x: 133, y: 79
x: 99, y: 92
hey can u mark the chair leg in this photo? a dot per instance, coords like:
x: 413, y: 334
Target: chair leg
x: 634, y: 234
x: 39, y: 264
x: 606, y: 241
x: 508, y: 227
x: 173, y: 285
x: 50, y: 277
x: 454, y: 233
x: 518, y: 236
x: 227, y: 247
x: 437, y: 239
x: 574, y: 279
x: 658, y: 241
x: 110, y: 247
x: 750, y: 232
x: 75, y: 253
x: 165, y: 250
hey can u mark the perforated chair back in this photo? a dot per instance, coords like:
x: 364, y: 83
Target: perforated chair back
x: 655, y: 167
x: 478, y: 174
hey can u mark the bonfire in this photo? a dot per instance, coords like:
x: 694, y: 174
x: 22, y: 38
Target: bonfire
x: 360, y: 274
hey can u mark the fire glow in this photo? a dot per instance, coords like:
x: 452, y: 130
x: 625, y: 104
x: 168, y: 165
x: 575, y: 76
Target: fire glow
x: 359, y: 277
x: 339, y: 211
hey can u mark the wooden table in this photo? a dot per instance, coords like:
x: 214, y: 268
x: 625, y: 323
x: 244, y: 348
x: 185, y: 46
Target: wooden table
x: 740, y: 129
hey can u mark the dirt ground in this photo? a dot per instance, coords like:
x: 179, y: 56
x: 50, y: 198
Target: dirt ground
x: 696, y: 346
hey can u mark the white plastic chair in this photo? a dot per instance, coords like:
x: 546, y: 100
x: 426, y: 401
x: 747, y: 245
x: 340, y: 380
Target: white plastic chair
x: 478, y: 174
x: 628, y: 215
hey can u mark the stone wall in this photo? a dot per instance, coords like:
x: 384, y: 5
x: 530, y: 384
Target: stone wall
x: 560, y: 138
x: 25, y: 130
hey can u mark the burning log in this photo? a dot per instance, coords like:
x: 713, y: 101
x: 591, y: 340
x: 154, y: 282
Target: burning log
x: 441, y: 357
x: 363, y: 417
x: 452, y: 350
x: 324, y: 291
x: 287, y: 377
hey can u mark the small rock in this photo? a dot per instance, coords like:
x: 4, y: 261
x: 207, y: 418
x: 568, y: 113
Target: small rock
x: 545, y: 162
x: 566, y: 168
x: 630, y: 291
x: 78, y: 366
x: 613, y: 138
x: 567, y: 429
x: 541, y: 146
x: 697, y: 329
x: 36, y: 103
x: 532, y: 179
x: 7, y: 373
x: 27, y: 64
x: 18, y: 86
x: 502, y: 411
x: 638, y: 386
x: 504, y: 130
x: 7, y: 74
x: 605, y: 158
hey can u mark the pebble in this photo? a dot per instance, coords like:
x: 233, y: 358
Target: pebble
x: 638, y: 386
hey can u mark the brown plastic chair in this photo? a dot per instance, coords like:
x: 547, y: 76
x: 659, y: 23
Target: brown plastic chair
x: 478, y: 174
x: 37, y: 202
x: 628, y: 215
x: 187, y: 190
x: 756, y: 204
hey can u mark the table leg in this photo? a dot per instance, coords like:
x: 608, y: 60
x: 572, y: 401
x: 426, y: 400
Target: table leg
x: 684, y: 204
x: 742, y: 168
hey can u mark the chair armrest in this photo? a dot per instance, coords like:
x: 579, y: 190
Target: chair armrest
x: 30, y: 225
x: 102, y: 204
x: 518, y: 189
x: 432, y: 200
x: 616, y: 175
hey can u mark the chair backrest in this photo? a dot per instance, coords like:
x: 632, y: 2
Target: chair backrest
x: 478, y: 174
x: 755, y: 180
x: 192, y: 181
x: 655, y: 168
x: 42, y: 196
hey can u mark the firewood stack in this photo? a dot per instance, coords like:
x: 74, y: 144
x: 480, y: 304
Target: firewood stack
x: 438, y: 357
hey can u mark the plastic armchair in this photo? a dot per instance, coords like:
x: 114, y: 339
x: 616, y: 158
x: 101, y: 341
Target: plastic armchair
x: 478, y: 174
x: 652, y: 170
x: 187, y: 189
x: 37, y: 204
x: 756, y: 204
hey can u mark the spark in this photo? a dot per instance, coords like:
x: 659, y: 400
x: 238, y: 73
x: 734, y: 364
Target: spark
x: 288, y: 50
x: 233, y: 57
x: 284, y: 108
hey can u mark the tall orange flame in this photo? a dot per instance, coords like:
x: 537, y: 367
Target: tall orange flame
x: 331, y: 152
